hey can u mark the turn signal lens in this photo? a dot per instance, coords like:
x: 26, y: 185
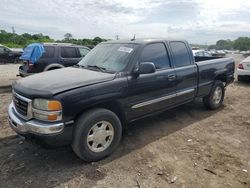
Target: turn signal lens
x: 54, y: 105
x: 52, y: 117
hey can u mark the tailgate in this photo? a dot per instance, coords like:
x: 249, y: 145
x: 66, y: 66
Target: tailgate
x: 246, y: 65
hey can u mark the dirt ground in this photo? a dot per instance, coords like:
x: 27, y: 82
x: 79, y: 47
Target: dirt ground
x: 188, y: 146
x: 185, y: 147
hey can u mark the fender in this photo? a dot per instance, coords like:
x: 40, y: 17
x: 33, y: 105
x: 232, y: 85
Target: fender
x: 54, y: 65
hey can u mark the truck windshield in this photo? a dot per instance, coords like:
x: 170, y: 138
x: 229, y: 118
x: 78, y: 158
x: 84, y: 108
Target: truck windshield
x: 110, y: 57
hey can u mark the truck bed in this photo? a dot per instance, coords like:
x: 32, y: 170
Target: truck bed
x: 208, y: 70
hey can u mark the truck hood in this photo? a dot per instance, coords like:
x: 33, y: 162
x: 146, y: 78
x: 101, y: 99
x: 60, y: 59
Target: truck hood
x: 49, y: 83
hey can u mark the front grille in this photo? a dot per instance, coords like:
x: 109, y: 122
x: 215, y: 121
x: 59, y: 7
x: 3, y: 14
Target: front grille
x: 20, y: 105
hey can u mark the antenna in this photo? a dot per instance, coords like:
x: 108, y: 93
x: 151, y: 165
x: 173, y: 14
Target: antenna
x: 133, y: 37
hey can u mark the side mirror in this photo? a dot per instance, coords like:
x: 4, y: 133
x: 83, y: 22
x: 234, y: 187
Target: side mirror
x: 146, y: 68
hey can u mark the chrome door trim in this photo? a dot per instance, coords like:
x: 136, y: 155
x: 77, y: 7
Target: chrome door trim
x: 149, y: 102
x: 185, y: 92
x: 146, y: 103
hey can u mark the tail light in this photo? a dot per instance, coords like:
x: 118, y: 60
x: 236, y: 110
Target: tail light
x: 240, y: 66
x: 30, y: 65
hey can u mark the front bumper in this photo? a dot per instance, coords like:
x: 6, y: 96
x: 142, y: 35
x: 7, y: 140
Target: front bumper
x: 24, y: 73
x: 22, y: 126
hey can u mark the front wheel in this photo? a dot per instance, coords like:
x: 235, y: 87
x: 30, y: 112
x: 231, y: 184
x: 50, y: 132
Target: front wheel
x: 97, y: 134
x: 216, y: 96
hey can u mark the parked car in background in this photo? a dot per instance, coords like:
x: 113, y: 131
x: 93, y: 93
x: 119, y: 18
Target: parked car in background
x: 9, y: 55
x: 218, y: 53
x: 118, y: 82
x: 55, y: 56
x: 243, y: 70
x: 201, y: 53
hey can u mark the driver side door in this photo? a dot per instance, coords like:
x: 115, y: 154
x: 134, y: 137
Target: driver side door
x: 149, y: 93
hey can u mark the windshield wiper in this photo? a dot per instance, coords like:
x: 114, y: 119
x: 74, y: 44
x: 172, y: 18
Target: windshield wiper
x: 97, y: 67
x: 77, y: 66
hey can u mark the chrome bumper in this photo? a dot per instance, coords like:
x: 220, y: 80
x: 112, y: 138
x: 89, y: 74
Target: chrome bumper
x: 23, y: 73
x: 22, y: 126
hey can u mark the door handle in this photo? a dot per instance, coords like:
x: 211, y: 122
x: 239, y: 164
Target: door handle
x: 171, y: 76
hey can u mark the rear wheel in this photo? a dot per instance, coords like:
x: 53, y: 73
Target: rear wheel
x: 97, y: 134
x: 216, y: 96
x: 16, y: 60
x: 240, y: 78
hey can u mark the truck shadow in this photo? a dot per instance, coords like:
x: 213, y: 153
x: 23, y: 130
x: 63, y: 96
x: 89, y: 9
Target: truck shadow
x: 34, y: 166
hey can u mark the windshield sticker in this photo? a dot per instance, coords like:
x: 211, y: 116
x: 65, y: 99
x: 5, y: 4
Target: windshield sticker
x: 125, y: 49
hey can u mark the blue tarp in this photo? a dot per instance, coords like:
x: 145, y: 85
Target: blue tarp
x: 33, y: 52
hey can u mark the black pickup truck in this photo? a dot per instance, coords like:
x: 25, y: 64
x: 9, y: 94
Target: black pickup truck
x: 116, y: 83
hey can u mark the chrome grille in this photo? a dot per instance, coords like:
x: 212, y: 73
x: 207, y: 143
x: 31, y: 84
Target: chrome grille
x: 20, y: 105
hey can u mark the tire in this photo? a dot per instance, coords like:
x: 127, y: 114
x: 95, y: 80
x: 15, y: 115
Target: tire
x: 16, y: 60
x: 216, y: 96
x: 240, y: 78
x: 90, y: 126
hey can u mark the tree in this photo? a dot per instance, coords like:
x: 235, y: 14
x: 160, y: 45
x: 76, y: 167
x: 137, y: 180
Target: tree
x: 68, y: 36
x: 242, y: 44
x: 224, y: 45
x: 97, y: 40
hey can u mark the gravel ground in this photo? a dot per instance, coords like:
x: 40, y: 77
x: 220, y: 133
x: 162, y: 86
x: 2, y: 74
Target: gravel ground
x: 8, y: 73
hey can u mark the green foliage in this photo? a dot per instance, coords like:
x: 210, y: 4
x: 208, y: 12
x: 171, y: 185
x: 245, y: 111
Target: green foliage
x: 68, y: 36
x: 212, y: 47
x: 242, y: 44
x: 224, y: 44
x: 13, y: 40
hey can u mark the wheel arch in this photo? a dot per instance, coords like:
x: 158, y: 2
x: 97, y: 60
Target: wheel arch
x: 53, y: 66
x: 113, y: 106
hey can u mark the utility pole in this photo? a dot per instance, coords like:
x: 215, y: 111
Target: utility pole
x: 117, y: 37
x: 13, y: 29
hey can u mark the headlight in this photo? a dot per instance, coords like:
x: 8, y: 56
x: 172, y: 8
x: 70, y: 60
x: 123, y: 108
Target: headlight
x: 47, y: 110
x: 44, y: 104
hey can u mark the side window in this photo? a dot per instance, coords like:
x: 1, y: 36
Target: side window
x: 68, y: 52
x: 207, y: 54
x: 157, y: 54
x: 180, y: 53
x: 1, y: 50
x: 49, y: 52
x: 83, y: 51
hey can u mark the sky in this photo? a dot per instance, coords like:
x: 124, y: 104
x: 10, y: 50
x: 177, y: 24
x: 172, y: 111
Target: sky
x: 198, y: 21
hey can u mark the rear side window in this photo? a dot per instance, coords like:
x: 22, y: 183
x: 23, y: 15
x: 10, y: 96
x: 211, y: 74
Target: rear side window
x: 68, y: 52
x: 1, y: 50
x: 157, y: 54
x: 180, y: 53
x: 83, y: 51
x: 49, y: 52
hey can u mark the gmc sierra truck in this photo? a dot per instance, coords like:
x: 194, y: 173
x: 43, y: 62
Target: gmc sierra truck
x: 118, y: 82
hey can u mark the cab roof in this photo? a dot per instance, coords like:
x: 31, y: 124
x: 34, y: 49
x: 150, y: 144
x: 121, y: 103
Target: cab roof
x: 143, y: 40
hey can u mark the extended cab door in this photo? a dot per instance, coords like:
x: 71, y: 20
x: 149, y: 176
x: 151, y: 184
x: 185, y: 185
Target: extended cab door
x: 185, y: 70
x: 150, y: 93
